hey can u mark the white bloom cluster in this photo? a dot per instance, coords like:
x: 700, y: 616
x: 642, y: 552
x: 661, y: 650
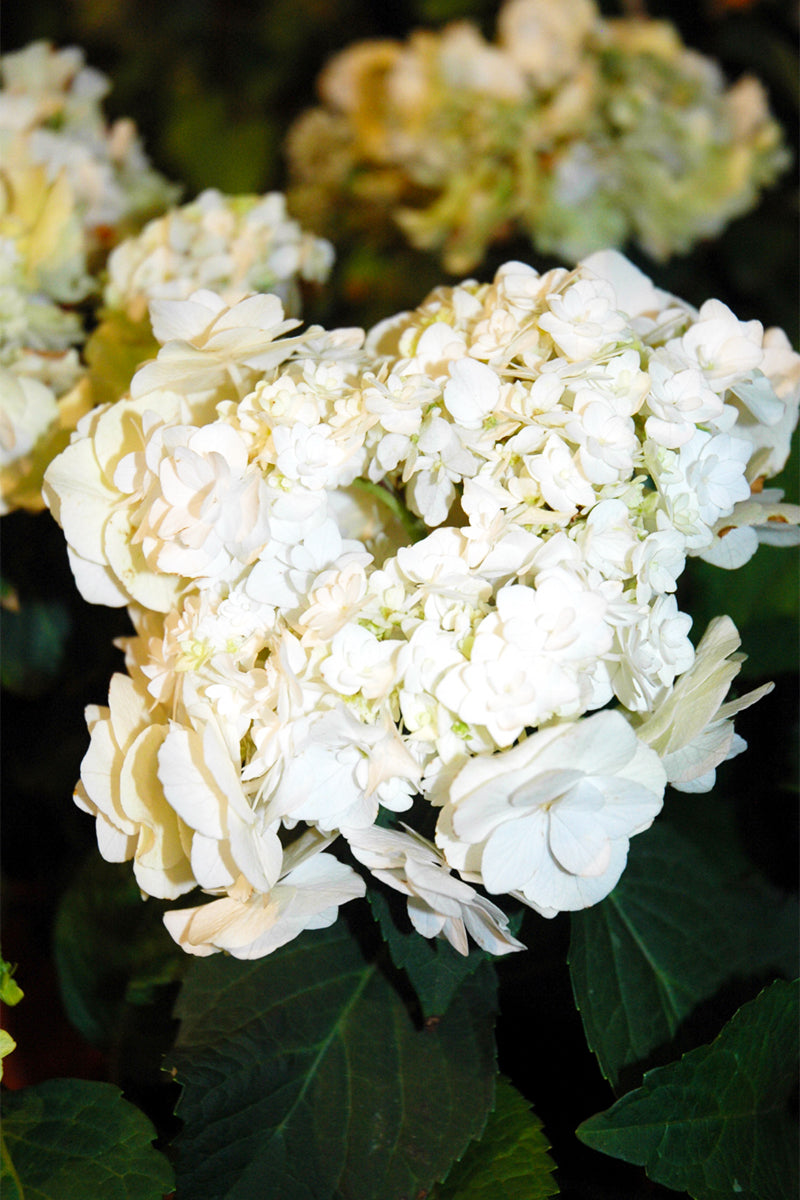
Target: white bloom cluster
x: 577, y: 131
x: 43, y: 271
x: 303, y: 668
x: 71, y: 189
x: 51, y: 115
x: 231, y: 244
x: 70, y: 186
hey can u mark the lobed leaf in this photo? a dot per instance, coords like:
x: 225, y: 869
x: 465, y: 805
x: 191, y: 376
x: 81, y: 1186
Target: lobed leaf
x: 717, y: 1123
x: 434, y: 969
x: 111, y: 947
x: 69, y: 1139
x: 304, y: 1077
x: 509, y: 1161
x: 676, y: 928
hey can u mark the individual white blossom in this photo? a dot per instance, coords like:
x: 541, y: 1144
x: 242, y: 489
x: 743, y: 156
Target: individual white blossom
x: 719, y: 345
x: 692, y: 729
x: 250, y: 924
x: 583, y: 320
x: 439, y: 904
x: 610, y: 543
x: 658, y: 561
x: 200, y: 774
x: 551, y: 819
x: 532, y: 658
x: 208, y: 345
x: 677, y: 402
x: 714, y: 471
x: 120, y: 788
x: 652, y: 652
x: 342, y: 769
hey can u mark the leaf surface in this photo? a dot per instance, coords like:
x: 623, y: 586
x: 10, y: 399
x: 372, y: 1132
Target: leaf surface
x: 110, y: 947
x: 304, y: 1077
x: 435, y: 970
x: 717, y: 1123
x: 766, y: 617
x: 678, y: 926
x: 34, y: 638
x: 509, y: 1161
x: 71, y: 1139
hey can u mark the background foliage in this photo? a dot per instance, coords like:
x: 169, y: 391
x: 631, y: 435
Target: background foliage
x: 213, y: 87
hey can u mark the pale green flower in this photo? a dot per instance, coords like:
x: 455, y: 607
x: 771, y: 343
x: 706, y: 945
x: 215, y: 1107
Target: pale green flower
x: 579, y: 131
x: 51, y: 116
x: 10, y: 993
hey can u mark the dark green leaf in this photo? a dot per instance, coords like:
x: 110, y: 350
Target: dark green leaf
x: 213, y: 145
x: 110, y: 947
x: 10, y: 1186
x: 759, y: 613
x: 717, y: 1123
x: 71, y: 1139
x: 675, y: 929
x: 33, y: 638
x: 435, y: 970
x: 509, y: 1162
x: 305, y: 1078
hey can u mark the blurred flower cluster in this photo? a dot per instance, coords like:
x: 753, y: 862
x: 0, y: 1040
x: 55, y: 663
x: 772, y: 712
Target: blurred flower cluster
x: 577, y: 131
x: 70, y: 185
x: 423, y: 576
x: 51, y: 116
x: 74, y: 188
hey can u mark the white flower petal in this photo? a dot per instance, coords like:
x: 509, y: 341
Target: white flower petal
x: 513, y: 852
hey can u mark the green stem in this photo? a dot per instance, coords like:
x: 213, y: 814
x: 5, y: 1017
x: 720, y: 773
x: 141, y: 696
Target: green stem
x: 414, y: 526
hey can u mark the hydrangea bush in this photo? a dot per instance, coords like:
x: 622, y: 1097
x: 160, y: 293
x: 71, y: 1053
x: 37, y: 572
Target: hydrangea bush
x: 401, y: 618
x: 429, y: 568
x: 578, y: 131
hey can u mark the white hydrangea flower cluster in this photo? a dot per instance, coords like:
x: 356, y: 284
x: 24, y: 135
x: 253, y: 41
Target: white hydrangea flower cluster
x: 70, y: 186
x: 71, y: 189
x: 577, y: 131
x: 306, y: 677
x: 43, y: 271
x: 232, y: 245
x: 51, y: 115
